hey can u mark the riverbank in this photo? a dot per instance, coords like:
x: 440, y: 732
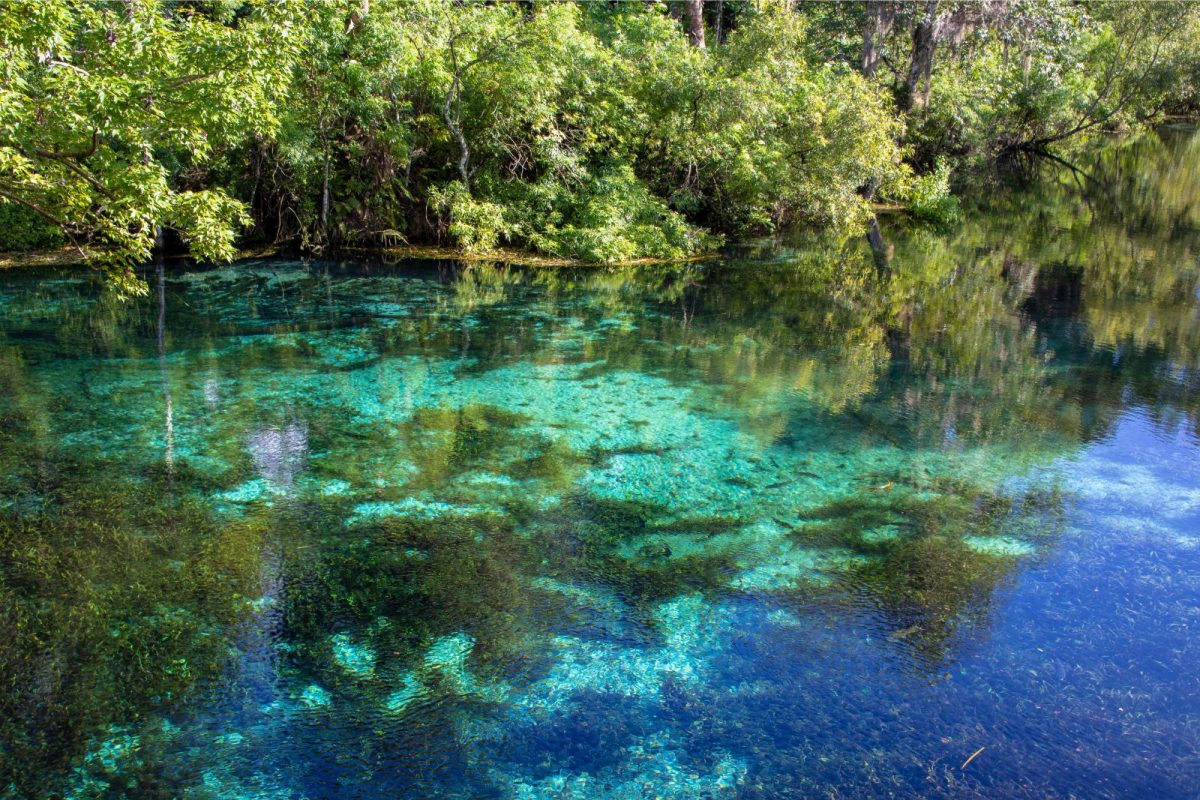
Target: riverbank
x: 62, y: 256
x: 511, y: 256
x: 70, y: 257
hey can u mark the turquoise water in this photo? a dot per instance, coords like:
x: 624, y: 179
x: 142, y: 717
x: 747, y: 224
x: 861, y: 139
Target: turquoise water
x: 775, y: 525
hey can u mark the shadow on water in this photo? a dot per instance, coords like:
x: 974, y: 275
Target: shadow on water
x: 775, y: 525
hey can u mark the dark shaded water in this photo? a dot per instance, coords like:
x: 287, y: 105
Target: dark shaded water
x: 774, y: 526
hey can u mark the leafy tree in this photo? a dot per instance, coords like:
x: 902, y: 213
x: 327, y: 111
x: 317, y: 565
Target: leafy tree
x: 110, y: 110
x: 599, y: 132
x: 995, y: 77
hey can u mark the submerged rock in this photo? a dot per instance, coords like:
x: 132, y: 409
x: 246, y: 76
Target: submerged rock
x: 356, y: 659
x: 999, y: 546
x: 314, y: 696
x: 413, y: 507
x: 449, y: 653
x: 410, y: 689
x: 447, y: 658
x: 655, y: 768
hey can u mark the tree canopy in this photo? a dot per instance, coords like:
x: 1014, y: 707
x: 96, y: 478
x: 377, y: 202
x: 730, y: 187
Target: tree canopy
x: 597, y: 132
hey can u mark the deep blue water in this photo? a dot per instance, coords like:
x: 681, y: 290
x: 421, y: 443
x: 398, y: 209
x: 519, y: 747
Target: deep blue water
x: 777, y: 525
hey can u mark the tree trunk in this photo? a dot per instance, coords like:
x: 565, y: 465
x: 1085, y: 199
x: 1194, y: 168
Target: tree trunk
x: 325, y: 195
x: 453, y: 123
x: 168, y: 406
x: 695, y: 22
x: 880, y: 15
x: 452, y: 114
x: 880, y: 249
x: 356, y: 17
x: 920, y: 68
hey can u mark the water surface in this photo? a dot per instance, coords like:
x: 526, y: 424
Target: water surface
x: 776, y: 525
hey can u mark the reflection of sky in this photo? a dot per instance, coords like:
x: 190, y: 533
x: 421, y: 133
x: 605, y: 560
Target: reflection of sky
x: 1096, y: 648
x: 279, y: 453
x: 1143, y: 478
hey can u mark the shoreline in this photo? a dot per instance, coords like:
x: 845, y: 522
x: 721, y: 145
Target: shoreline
x: 59, y: 257
x: 70, y: 257
x: 510, y: 256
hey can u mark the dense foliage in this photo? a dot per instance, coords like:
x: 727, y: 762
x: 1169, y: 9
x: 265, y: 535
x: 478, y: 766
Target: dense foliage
x: 107, y: 110
x: 600, y: 132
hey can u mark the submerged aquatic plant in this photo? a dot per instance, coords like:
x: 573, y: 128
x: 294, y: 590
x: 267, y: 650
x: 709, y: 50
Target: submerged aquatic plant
x: 112, y: 604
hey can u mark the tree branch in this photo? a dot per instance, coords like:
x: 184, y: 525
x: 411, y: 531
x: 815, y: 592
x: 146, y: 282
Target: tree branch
x: 78, y: 155
x: 46, y: 215
x: 57, y: 63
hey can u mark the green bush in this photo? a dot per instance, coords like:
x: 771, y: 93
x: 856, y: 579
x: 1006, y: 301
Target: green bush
x: 607, y: 219
x: 21, y: 229
x: 930, y: 198
x: 476, y: 225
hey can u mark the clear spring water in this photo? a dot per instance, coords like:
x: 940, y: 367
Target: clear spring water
x: 774, y: 526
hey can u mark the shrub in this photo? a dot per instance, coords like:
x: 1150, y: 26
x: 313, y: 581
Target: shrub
x: 22, y: 229
x: 930, y: 198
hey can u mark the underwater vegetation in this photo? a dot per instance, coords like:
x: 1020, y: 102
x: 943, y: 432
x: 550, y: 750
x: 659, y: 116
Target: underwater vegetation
x: 112, y: 608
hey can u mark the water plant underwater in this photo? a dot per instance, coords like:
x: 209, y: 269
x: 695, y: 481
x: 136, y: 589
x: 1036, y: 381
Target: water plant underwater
x: 491, y: 532
x: 390, y: 582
